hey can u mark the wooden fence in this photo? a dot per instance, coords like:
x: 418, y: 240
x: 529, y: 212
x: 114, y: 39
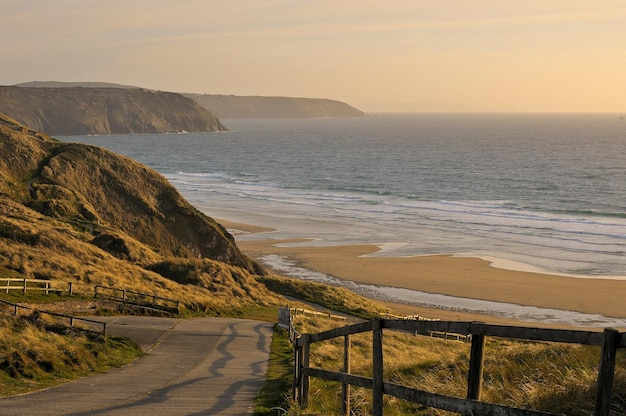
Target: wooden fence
x: 143, y: 300
x: 610, y: 341
x: 433, y: 334
x: 286, y: 319
x: 71, y: 319
x: 8, y: 284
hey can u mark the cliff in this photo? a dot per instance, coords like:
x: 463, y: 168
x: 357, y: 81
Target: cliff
x: 79, y: 213
x: 231, y: 106
x: 78, y: 110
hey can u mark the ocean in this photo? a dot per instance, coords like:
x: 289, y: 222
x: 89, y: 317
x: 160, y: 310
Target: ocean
x: 536, y: 192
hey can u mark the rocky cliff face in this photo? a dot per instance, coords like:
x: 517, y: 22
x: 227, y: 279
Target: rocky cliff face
x: 231, y: 106
x: 72, y: 211
x: 78, y: 110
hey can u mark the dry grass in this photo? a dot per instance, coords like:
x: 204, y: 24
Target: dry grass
x: 336, y: 298
x: 550, y: 377
x: 72, y: 213
x: 35, y: 353
x: 78, y: 214
x: 35, y: 246
x: 91, y: 217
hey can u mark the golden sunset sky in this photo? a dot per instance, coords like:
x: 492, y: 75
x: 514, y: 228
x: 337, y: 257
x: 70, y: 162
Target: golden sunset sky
x: 413, y: 55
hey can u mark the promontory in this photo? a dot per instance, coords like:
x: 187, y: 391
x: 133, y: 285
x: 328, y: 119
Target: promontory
x: 105, y: 110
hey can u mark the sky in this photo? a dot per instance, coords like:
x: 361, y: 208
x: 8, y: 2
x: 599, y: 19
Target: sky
x: 379, y: 56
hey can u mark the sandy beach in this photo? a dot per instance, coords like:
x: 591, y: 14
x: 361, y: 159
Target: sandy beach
x: 448, y: 275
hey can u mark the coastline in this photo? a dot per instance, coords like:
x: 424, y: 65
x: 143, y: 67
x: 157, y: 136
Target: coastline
x: 458, y: 277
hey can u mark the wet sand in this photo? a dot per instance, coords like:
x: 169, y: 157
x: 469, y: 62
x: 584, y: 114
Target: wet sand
x: 453, y: 276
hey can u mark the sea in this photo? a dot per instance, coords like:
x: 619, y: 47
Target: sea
x: 532, y: 192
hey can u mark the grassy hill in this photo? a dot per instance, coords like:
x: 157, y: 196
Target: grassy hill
x: 103, y: 110
x: 77, y: 213
x: 81, y: 214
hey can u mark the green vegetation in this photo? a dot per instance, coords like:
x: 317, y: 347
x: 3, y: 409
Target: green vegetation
x: 8, y: 273
x: 36, y: 353
x: 275, y: 392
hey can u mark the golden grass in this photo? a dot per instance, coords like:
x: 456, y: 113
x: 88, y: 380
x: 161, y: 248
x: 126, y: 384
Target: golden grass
x: 336, y: 298
x: 39, y: 247
x: 550, y: 377
x: 113, y: 222
x: 35, y: 353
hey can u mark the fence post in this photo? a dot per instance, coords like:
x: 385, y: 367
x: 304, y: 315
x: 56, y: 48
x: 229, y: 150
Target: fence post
x: 475, y: 375
x: 24, y: 285
x: 297, y: 362
x: 304, y: 379
x: 95, y: 292
x: 47, y: 288
x: 377, y: 371
x: 606, y: 372
x: 345, y: 391
x: 71, y: 289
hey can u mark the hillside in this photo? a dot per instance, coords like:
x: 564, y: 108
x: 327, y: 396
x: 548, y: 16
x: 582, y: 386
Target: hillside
x: 78, y: 110
x: 231, y: 106
x: 62, y: 84
x: 78, y: 213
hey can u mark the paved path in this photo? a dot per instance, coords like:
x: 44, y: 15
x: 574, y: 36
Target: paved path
x: 204, y: 366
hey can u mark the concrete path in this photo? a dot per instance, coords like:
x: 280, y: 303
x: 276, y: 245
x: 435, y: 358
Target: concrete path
x: 204, y: 366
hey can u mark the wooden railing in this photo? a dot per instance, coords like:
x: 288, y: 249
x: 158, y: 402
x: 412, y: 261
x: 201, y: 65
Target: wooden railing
x: 8, y: 284
x: 144, y: 300
x: 139, y: 299
x: 302, y: 311
x: 286, y: 317
x: 610, y: 341
x: 71, y: 319
x: 433, y: 334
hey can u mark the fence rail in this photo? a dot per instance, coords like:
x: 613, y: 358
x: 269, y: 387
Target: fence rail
x: 11, y: 283
x: 137, y: 298
x: 286, y: 317
x: 71, y: 319
x: 610, y: 341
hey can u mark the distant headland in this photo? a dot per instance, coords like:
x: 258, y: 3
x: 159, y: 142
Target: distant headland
x: 233, y: 106
x: 80, y: 108
x: 90, y: 110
